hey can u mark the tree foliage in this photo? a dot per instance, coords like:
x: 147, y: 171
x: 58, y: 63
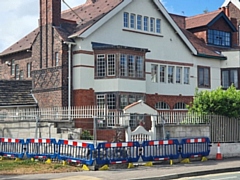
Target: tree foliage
x: 86, y: 135
x: 219, y: 101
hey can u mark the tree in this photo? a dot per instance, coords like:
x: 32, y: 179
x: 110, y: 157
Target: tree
x: 219, y: 101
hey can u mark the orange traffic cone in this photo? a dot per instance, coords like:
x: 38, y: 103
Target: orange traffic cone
x: 218, y: 155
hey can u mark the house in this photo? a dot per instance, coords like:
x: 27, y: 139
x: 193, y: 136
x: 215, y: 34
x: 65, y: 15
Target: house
x: 117, y: 52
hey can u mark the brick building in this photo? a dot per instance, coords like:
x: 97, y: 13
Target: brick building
x: 113, y: 53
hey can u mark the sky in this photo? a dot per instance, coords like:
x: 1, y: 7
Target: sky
x: 19, y: 17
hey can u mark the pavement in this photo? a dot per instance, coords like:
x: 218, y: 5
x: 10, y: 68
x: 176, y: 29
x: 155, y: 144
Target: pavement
x: 160, y: 171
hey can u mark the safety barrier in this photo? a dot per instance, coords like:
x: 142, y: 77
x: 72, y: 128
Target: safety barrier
x: 117, y: 153
x: 75, y: 152
x: 41, y: 148
x: 160, y: 150
x: 195, y: 147
x: 105, y: 153
x: 12, y: 148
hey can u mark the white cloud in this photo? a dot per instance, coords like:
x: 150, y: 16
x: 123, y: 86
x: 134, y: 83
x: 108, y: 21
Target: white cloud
x: 20, y: 17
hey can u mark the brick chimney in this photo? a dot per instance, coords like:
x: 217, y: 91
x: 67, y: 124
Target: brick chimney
x: 50, y: 12
x: 50, y: 15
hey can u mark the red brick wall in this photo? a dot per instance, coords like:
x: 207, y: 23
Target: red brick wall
x: 109, y: 134
x: 152, y: 99
x: 83, y: 97
x: 49, y: 99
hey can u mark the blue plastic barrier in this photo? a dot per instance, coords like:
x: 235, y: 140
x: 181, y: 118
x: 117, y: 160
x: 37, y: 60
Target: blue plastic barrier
x: 12, y: 148
x: 117, y: 153
x: 76, y: 152
x: 195, y: 147
x: 160, y: 150
x: 41, y: 148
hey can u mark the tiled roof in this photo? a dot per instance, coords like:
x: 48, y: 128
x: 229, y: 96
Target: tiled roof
x: 24, y: 44
x: 202, y: 48
x: 89, y: 13
x: 14, y: 93
x: 201, y: 20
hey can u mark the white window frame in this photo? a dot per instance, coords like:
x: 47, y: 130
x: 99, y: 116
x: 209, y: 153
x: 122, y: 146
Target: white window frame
x: 152, y: 24
x: 111, y: 65
x: 146, y: 23
x: 133, y: 21
x: 154, y: 73
x: 126, y: 19
x: 101, y: 68
x: 139, y: 22
x: 186, y: 75
x: 164, y: 73
x: 158, y: 26
x: 178, y: 75
x: 162, y: 106
x: 171, y: 74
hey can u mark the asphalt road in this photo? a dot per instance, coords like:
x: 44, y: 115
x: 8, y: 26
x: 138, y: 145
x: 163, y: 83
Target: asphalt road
x: 220, y: 176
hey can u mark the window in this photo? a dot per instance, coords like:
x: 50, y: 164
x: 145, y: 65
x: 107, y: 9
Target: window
x: 100, y: 100
x: 161, y: 105
x: 158, y: 26
x: 13, y: 67
x: 17, y: 72
x: 170, y: 74
x: 139, y: 22
x: 152, y: 24
x: 186, y: 75
x: 56, y: 59
x: 219, y: 38
x: 21, y: 75
x: 111, y: 65
x: 100, y: 65
x: 0, y: 72
x: 126, y: 19
x: 128, y: 66
x: 123, y: 65
x: 229, y: 77
x: 162, y: 73
x: 123, y: 100
x: 204, y: 77
x: 180, y: 105
x: 132, y: 21
x: 154, y: 73
x: 178, y: 75
x: 131, y: 69
x: 29, y: 68
x: 145, y: 23
x: 139, y: 67
x: 111, y: 101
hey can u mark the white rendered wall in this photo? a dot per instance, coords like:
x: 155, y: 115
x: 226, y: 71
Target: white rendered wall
x: 167, y: 47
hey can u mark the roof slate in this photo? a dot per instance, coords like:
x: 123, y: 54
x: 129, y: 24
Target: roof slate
x: 13, y: 92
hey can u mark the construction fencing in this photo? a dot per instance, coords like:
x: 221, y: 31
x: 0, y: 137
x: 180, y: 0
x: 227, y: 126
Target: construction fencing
x: 105, y: 153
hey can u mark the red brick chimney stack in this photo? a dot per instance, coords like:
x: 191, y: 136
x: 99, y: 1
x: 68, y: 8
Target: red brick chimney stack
x: 50, y: 12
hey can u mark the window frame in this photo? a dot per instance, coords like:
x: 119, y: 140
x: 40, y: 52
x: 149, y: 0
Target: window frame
x: 204, y: 68
x: 186, y: 75
x: 139, y: 22
x: 229, y: 77
x: 126, y: 19
x: 158, y: 26
x: 171, y: 74
x: 178, y: 75
x: 154, y: 73
x: 133, y: 21
x: 161, y: 105
x: 146, y: 23
x: 111, y: 65
x: 219, y: 38
x: 100, y: 65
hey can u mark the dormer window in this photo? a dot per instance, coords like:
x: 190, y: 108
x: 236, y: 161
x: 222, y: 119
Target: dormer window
x: 219, y: 38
